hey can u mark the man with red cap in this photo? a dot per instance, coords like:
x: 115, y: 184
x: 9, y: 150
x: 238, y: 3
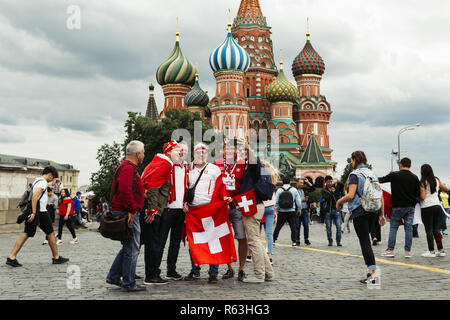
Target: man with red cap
x: 159, y: 190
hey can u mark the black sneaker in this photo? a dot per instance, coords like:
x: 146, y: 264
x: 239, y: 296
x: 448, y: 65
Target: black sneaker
x: 297, y: 243
x: 330, y: 244
x: 136, y: 277
x: 116, y: 283
x: 374, y: 241
x: 368, y: 280
x: 174, y: 275
x: 156, y: 280
x: 339, y: 245
x: 191, y: 276
x: 271, y: 261
x: 307, y: 242
x: 13, y: 263
x: 241, y: 275
x: 136, y: 288
x: 229, y: 274
x: 60, y: 260
x: 212, y: 279
x: 249, y: 259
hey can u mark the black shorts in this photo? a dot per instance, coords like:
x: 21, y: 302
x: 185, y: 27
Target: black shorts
x: 45, y: 224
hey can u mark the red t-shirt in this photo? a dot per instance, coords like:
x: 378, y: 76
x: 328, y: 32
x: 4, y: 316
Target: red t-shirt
x: 63, y: 207
x: 235, y: 171
x: 124, y: 199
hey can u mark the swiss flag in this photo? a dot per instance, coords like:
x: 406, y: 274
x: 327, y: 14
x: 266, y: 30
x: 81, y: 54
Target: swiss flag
x: 209, y: 234
x: 247, y: 203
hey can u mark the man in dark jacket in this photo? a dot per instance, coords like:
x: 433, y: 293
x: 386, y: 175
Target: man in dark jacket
x: 330, y: 196
x: 303, y: 213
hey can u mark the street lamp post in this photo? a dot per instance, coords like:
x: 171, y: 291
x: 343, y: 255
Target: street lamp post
x: 411, y: 127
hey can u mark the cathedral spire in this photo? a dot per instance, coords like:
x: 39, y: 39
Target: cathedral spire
x: 152, y: 110
x: 250, y: 13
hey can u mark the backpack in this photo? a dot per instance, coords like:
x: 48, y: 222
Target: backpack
x: 286, y: 199
x: 264, y: 186
x: 371, y: 199
x: 25, y: 204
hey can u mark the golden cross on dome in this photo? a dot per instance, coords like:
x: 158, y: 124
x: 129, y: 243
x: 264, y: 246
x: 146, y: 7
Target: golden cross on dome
x: 281, y: 59
x: 177, y: 33
x: 307, y: 29
x: 229, y: 20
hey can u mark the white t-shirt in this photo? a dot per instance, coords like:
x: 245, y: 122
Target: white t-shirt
x: 431, y: 199
x: 206, y: 185
x: 179, y: 188
x: 41, y: 184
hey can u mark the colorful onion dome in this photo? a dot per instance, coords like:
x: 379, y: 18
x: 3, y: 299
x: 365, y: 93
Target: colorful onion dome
x: 308, y: 61
x: 196, y: 97
x: 176, y: 69
x: 281, y: 89
x: 229, y: 56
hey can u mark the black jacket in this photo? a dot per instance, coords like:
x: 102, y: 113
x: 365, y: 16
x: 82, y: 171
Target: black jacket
x: 250, y: 178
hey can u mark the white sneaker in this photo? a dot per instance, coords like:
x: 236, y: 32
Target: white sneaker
x: 428, y: 254
x: 73, y: 241
x: 58, y: 242
x: 45, y: 242
x: 253, y: 280
x: 440, y: 254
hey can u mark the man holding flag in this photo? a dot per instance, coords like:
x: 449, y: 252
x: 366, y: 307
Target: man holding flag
x: 207, y: 225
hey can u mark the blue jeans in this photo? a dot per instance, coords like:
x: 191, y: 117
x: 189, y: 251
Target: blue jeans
x: 124, y: 264
x: 269, y: 214
x: 303, y: 219
x: 407, y: 214
x: 213, y: 268
x: 335, y: 217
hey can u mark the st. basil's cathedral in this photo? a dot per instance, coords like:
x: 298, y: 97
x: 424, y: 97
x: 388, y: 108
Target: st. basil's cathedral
x: 252, y: 93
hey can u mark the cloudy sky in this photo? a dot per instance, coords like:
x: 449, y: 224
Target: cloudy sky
x: 64, y: 92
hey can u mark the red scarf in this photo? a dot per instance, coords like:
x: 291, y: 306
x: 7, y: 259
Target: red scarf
x: 157, y: 172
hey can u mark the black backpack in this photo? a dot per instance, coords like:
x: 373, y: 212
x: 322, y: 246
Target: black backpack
x: 286, y: 199
x: 25, y: 204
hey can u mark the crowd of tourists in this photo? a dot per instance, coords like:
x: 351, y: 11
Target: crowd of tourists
x: 158, y: 202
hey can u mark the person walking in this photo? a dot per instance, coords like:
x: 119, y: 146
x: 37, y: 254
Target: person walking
x: 405, y: 195
x: 362, y: 219
x: 431, y: 210
x: 78, y: 222
x: 66, y: 210
x: 52, y: 207
x: 332, y: 214
x: 257, y: 178
x: 303, y: 217
x: 232, y: 168
x: 444, y: 197
x: 38, y: 217
x: 269, y: 210
x: 127, y: 194
x: 159, y: 190
x: 286, y: 201
x: 207, y: 181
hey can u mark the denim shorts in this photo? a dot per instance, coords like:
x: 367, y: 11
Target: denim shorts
x: 236, y: 221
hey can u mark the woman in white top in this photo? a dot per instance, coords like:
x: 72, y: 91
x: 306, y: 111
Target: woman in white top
x: 431, y: 210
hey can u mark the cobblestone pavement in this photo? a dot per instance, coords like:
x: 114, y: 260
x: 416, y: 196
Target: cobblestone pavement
x: 305, y: 272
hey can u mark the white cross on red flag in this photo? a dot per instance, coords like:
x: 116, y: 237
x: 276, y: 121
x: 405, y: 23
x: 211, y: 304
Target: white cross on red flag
x: 209, y: 234
x: 247, y: 203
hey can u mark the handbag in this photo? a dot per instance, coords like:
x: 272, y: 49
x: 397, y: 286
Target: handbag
x: 116, y: 227
x: 191, y: 191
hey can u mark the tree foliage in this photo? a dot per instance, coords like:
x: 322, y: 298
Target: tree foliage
x: 109, y: 157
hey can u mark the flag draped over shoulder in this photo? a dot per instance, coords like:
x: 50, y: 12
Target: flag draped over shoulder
x: 209, y: 234
x: 157, y: 172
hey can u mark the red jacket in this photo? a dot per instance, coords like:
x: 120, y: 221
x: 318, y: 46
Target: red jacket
x: 238, y: 172
x: 124, y: 199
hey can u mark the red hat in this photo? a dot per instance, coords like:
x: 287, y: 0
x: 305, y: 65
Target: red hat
x: 200, y: 146
x: 169, y: 146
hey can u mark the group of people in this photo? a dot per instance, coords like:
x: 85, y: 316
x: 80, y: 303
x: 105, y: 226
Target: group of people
x: 157, y: 203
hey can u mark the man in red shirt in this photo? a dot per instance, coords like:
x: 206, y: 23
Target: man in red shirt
x: 232, y: 168
x: 127, y: 194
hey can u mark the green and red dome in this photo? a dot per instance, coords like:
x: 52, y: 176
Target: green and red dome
x: 308, y: 62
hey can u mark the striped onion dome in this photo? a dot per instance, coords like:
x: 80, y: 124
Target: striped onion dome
x: 229, y: 56
x: 281, y: 89
x: 308, y: 61
x: 176, y: 69
x: 196, y: 97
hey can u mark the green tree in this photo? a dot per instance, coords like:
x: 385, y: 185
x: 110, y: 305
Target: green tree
x: 109, y: 157
x: 155, y: 134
